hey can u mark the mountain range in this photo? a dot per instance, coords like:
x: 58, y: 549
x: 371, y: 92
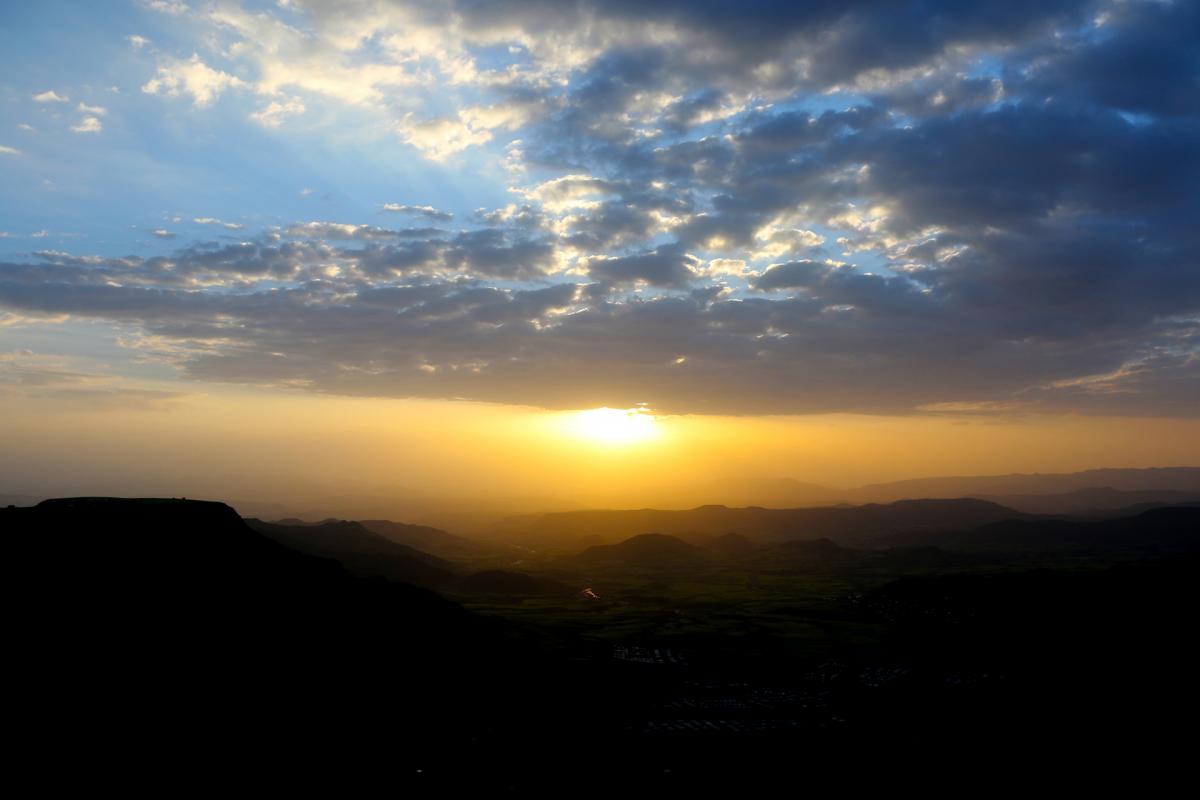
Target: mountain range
x: 846, y: 525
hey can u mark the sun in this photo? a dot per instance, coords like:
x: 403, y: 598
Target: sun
x: 614, y: 426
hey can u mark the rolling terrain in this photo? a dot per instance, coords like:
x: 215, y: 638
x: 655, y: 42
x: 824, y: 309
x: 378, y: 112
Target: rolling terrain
x: 844, y: 524
x: 909, y: 621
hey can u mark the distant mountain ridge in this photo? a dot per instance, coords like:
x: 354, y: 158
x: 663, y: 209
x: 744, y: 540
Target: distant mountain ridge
x: 791, y: 493
x: 1154, y: 532
x: 1094, y: 501
x: 854, y: 525
x: 1183, y: 479
x: 646, y: 549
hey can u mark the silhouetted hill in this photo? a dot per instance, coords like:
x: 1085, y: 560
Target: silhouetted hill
x: 842, y: 524
x: 1182, y: 479
x: 767, y: 492
x: 731, y: 545
x: 423, y: 538
x: 512, y: 584
x: 1106, y: 648
x: 644, y: 550
x: 361, y: 551
x: 1093, y: 501
x: 812, y: 555
x: 1154, y: 532
x: 175, y: 617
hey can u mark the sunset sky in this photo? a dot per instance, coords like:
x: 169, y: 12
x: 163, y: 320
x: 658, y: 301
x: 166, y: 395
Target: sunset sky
x: 406, y: 244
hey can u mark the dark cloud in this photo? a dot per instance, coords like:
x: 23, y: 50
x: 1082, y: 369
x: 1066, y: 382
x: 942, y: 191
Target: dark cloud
x: 792, y: 275
x: 846, y: 340
x: 496, y: 254
x: 665, y: 267
x: 1142, y: 58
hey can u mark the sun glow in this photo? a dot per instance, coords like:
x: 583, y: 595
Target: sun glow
x: 614, y: 426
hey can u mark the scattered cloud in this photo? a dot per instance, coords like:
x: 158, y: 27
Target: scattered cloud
x: 429, y: 212
x: 438, y: 139
x: 50, y: 96
x: 88, y: 125
x: 232, y: 226
x: 815, y: 202
x: 56, y: 379
x: 172, y: 7
x: 276, y: 112
x: 177, y: 77
x: 337, y: 230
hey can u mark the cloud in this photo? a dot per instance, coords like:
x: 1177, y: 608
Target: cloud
x: 384, y: 322
x: 665, y: 267
x: 88, y: 125
x: 9, y: 151
x: 500, y: 254
x: 232, y: 226
x: 276, y: 112
x: 438, y: 139
x: 734, y: 267
x: 50, y: 96
x: 336, y: 230
x: 1142, y: 59
x: 136, y: 41
x: 92, y: 110
x: 163, y: 234
x: 171, y: 7
x: 570, y: 192
x: 810, y: 204
x: 177, y: 77
x: 773, y: 241
x: 429, y: 212
x: 792, y: 275
x: 56, y: 380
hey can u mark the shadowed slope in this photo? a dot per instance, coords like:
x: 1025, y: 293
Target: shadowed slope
x: 512, y: 584
x: 1155, y: 532
x: 361, y: 551
x: 422, y: 537
x: 646, y: 550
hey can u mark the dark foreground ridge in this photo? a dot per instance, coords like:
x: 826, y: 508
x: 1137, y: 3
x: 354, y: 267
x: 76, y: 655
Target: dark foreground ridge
x: 171, y: 629
x: 166, y: 625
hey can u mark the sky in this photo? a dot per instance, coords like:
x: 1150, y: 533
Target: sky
x: 407, y: 243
